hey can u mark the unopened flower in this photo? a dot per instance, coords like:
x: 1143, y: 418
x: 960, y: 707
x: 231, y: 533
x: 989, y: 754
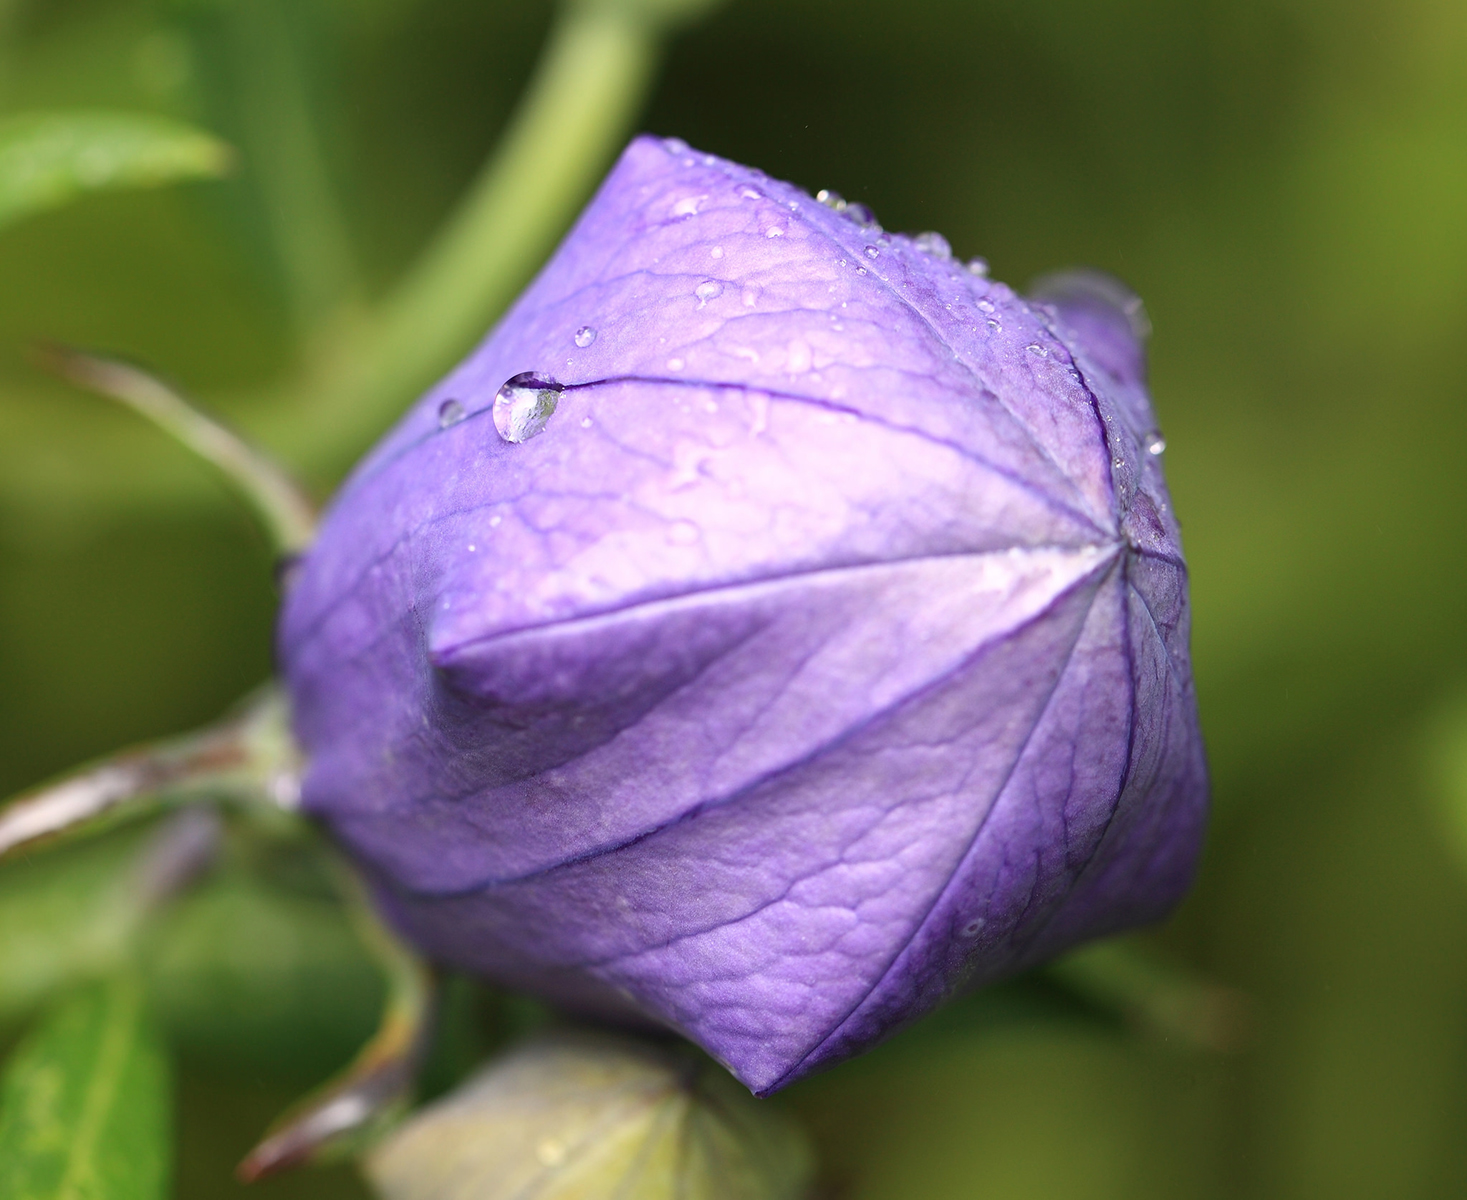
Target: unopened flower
x: 582, y: 1116
x: 772, y: 629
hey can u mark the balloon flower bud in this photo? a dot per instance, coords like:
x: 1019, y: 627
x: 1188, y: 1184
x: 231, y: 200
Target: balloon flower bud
x: 575, y: 1118
x: 773, y: 628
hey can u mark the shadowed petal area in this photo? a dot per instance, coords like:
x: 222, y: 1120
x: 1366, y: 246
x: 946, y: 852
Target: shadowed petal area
x: 824, y: 654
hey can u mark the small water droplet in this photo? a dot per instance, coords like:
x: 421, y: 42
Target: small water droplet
x: 495, y: 519
x: 450, y: 412
x: 675, y: 364
x: 861, y: 215
x: 1118, y: 463
x: 977, y: 266
x: 994, y: 325
x: 524, y: 406
x: 709, y: 289
x: 585, y: 335
x: 749, y: 194
x: 860, y: 270
x: 1035, y: 348
x: 716, y: 252
x: 934, y: 244
x: 986, y: 306
x: 585, y: 422
x: 774, y: 231
x: 1155, y: 443
x: 871, y: 252
x: 831, y: 199
x: 675, y: 145
x: 683, y: 533
x: 972, y: 928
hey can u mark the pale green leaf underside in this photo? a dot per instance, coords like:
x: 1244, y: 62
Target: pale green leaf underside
x: 84, y: 1103
x: 48, y: 159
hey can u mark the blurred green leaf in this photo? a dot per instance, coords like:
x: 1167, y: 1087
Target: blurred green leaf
x: 84, y: 1105
x: 246, y: 974
x: 63, y: 917
x: 48, y: 159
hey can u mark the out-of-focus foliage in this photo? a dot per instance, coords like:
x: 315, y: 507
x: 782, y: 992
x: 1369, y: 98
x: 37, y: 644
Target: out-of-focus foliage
x: 47, y: 159
x: 84, y: 1103
x: 1284, y: 181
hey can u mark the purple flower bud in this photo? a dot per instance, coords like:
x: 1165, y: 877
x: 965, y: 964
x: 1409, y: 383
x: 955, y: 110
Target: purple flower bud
x: 773, y: 628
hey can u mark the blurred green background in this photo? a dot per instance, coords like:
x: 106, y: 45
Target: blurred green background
x: 1284, y: 182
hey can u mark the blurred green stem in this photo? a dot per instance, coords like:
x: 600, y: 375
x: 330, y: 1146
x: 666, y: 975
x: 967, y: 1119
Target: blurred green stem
x: 589, y: 85
x: 375, y: 1088
x: 285, y: 153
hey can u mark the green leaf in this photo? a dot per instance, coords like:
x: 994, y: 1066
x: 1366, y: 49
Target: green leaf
x: 49, y: 159
x: 84, y: 1103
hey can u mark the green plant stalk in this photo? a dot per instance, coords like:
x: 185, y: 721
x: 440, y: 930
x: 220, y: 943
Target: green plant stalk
x: 588, y: 87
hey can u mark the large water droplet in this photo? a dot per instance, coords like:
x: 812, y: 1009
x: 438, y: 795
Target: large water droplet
x: 871, y: 252
x: 1155, y: 443
x: 524, y: 406
x: 934, y: 244
x: 585, y: 335
x: 450, y: 412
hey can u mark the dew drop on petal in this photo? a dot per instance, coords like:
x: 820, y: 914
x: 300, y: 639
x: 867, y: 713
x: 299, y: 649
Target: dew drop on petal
x: 524, y: 406
x: 1155, y: 443
x: 934, y: 244
x: 871, y: 252
x: 585, y: 335
x: 450, y: 412
x: 831, y: 199
x: 709, y: 289
x: 978, y: 266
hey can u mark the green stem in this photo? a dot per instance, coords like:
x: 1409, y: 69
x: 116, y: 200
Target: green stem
x: 283, y: 508
x: 283, y: 147
x: 588, y: 87
x: 375, y: 1088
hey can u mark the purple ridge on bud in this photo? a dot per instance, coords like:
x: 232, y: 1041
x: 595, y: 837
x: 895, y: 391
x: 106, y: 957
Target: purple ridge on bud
x: 820, y: 654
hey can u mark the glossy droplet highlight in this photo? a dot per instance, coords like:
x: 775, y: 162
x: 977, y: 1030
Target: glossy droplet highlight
x: 709, y: 289
x: 934, y: 244
x: 831, y: 199
x: 871, y: 252
x: 450, y: 412
x: 585, y: 335
x: 1155, y: 443
x: 524, y: 406
x: 977, y: 266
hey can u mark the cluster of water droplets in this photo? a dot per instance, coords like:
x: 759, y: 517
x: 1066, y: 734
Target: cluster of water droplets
x: 524, y: 405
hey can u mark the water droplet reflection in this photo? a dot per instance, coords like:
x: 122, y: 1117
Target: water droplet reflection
x: 524, y: 406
